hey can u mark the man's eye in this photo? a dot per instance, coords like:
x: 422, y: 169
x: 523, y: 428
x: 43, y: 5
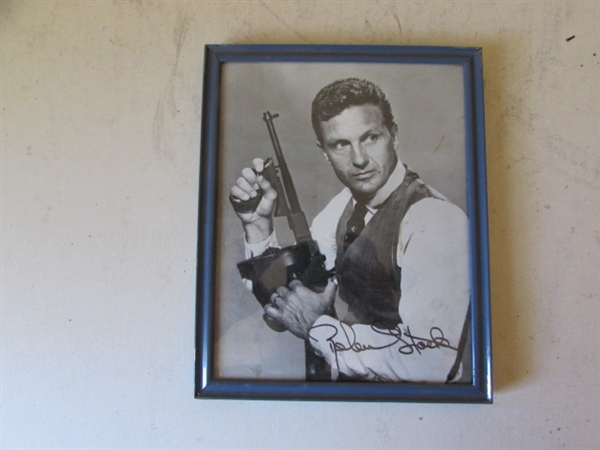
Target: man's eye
x: 340, y: 146
x: 371, y: 138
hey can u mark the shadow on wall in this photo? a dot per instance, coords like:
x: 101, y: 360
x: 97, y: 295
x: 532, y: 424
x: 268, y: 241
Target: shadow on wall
x: 513, y: 352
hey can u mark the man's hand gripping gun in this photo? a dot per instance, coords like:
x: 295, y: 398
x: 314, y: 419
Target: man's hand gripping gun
x: 278, y: 266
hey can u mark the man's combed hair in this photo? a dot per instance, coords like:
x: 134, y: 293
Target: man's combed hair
x: 339, y: 95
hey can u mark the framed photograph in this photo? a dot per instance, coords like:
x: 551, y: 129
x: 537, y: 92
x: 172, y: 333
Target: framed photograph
x: 342, y: 235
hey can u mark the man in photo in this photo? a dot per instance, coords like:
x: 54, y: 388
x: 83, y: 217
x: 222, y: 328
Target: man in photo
x: 398, y: 249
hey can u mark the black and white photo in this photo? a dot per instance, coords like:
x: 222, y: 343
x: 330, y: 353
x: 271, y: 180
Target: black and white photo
x: 343, y: 200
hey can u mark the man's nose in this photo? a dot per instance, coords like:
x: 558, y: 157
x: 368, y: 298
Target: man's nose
x: 359, y: 156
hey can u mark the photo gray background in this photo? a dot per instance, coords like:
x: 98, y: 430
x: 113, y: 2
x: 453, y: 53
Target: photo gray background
x: 428, y: 106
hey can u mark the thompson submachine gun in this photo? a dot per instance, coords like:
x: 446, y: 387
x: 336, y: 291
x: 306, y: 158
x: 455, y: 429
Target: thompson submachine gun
x: 278, y: 266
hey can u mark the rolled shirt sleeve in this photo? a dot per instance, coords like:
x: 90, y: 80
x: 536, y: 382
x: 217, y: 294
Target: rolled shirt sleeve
x: 259, y: 248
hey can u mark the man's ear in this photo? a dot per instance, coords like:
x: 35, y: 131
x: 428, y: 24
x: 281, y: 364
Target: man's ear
x: 394, y: 133
x: 322, y: 150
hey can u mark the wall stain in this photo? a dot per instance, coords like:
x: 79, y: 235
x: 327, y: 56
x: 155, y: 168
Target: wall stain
x: 573, y: 161
x: 284, y: 23
x: 166, y: 107
x: 394, y: 15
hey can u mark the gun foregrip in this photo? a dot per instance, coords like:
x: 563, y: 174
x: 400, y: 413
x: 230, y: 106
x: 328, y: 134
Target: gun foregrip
x: 270, y: 173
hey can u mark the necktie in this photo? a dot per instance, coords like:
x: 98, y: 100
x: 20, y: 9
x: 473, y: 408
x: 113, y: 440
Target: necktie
x: 355, y: 224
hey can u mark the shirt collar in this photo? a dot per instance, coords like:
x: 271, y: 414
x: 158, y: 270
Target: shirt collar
x: 393, y: 182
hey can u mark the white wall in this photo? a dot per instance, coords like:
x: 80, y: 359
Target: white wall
x: 100, y: 136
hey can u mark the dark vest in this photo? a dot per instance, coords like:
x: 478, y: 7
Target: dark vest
x: 367, y: 272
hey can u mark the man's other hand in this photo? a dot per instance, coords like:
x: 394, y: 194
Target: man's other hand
x: 298, y: 307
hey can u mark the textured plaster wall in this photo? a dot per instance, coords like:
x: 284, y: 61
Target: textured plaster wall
x: 100, y: 133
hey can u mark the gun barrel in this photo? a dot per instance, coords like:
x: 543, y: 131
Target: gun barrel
x: 286, y: 178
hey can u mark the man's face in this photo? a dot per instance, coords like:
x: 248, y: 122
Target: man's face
x: 361, y: 149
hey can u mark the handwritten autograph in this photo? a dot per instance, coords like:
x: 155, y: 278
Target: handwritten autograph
x: 406, y: 341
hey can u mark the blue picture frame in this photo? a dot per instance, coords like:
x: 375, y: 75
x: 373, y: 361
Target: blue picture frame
x: 207, y: 383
